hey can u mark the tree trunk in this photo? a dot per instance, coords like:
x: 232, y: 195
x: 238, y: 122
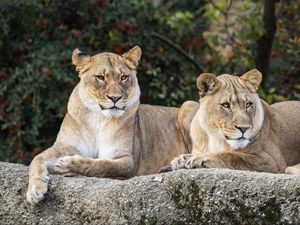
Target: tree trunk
x: 264, y: 44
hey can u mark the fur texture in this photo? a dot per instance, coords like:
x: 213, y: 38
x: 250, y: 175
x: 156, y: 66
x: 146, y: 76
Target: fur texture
x: 233, y: 128
x: 106, y: 132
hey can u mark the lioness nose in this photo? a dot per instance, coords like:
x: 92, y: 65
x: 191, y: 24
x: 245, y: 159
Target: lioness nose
x: 242, y: 129
x: 114, y: 98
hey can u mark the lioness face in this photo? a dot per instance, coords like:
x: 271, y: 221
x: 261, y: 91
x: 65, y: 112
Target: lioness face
x: 230, y: 107
x: 110, y: 80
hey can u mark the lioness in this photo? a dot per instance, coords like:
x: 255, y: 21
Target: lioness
x: 106, y: 132
x: 235, y: 129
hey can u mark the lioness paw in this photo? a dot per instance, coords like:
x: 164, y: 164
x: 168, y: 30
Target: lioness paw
x: 37, y: 189
x: 35, y: 195
x: 63, y: 164
x: 179, y: 162
x: 206, y: 161
x: 196, y: 162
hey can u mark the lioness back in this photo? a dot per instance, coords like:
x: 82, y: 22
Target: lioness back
x: 287, y: 115
x: 164, y: 143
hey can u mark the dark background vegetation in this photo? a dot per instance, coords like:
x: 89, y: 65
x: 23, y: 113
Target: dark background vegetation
x: 179, y: 39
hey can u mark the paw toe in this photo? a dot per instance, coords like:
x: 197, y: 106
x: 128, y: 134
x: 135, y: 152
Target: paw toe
x: 61, y: 165
x: 178, y: 163
x: 194, y: 162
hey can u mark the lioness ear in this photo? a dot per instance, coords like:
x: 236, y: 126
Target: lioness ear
x: 207, y: 83
x: 252, y: 79
x: 132, y: 57
x: 80, y: 59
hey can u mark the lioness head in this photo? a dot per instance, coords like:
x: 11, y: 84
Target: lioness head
x: 108, y: 81
x: 230, y: 109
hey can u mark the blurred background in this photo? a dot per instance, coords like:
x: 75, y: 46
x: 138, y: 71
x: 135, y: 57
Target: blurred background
x: 179, y: 39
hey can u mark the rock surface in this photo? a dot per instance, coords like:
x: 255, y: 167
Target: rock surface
x: 200, y: 196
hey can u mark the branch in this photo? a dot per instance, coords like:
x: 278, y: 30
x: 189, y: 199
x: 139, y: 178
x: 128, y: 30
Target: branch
x: 175, y: 47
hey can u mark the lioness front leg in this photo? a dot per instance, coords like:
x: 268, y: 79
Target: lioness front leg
x: 39, y: 170
x: 122, y: 167
x: 232, y: 160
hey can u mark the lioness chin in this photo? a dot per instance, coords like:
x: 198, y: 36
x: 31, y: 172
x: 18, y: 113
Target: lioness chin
x: 233, y: 128
x: 106, y: 132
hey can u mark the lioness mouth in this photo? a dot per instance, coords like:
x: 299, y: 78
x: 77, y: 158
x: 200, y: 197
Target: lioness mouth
x: 236, y: 139
x: 116, y: 108
x: 241, y: 138
x: 111, y: 108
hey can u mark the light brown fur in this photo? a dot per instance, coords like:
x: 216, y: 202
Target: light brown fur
x: 105, y: 139
x: 229, y: 106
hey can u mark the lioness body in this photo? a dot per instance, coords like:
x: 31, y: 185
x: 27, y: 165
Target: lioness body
x: 106, y: 132
x: 246, y: 133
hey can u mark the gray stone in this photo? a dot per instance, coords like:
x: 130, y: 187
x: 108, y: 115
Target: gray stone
x: 200, y: 196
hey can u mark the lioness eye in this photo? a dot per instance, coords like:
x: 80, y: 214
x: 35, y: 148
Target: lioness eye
x: 124, y: 77
x: 100, y: 77
x: 225, y: 105
x: 249, y: 104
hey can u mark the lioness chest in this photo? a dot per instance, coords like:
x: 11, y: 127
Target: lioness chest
x: 102, y: 138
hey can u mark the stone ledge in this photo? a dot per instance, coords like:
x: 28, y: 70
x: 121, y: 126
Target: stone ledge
x: 200, y: 196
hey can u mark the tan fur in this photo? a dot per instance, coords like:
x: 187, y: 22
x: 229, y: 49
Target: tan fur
x: 271, y: 140
x: 98, y: 140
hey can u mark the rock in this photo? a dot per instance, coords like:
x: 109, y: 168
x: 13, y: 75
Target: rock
x: 200, y: 196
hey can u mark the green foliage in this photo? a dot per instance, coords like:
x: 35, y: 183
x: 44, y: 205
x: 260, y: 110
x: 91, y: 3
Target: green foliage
x: 233, y: 32
x: 285, y: 63
x: 235, y: 26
